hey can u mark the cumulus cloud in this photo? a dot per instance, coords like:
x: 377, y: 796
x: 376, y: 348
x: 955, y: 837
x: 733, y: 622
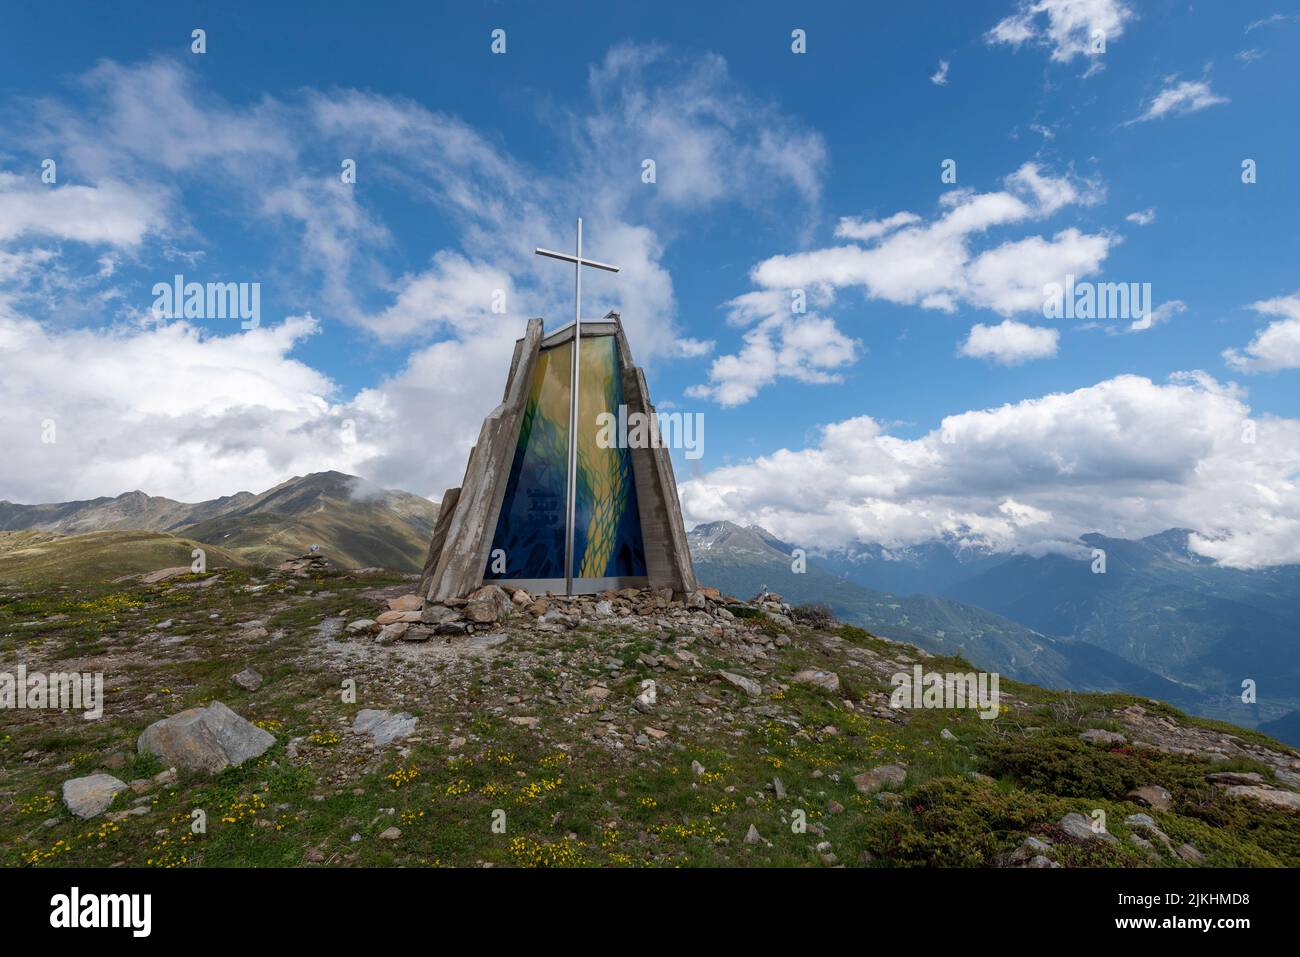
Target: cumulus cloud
x: 1010, y: 343
x: 1126, y: 457
x: 232, y: 410
x: 907, y: 260
x: 1142, y: 217
x: 109, y: 213
x: 1277, y: 345
x: 1178, y: 98
x: 780, y: 343
x: 1066, y: 27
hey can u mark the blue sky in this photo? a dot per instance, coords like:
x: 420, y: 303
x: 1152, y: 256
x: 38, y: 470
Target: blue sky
x: 922, y: 393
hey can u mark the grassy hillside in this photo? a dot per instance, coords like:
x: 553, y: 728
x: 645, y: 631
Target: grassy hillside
x: 508, y: 722
x: 738, y: 561
x: 50, y: 557
x: 358, y: 524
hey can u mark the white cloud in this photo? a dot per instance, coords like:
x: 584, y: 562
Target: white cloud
x: 931, y: 264
x: 1126, y: 457
x: 1161, y: 313
x: 1143, y: 217
x: 1067, y: 27
x: 806, y: 348
x: 225, y: 412
x: 1010, y: 343
x: 1277, y: 345
x: 850, y: 227
x: 197, y: 423
x: 907, y: 260
x: 1271, y: 20
x: 940, y: 76
x: 109, y: 213
x: 1178, y: 98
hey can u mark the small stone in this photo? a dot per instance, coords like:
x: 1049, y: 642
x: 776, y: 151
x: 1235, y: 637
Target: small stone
x: 834, y: 807
x: 406, y: 603
x: 697, y: 768
x: 947, y: 735
x: 392, y: 617
x: 524, y: 722
x: 826, y: 680
x: 248, y: 679
x: 456, y: 743
x: 383, y: 727
x: 1080, y: 828
x: 361, y: 624
x: 747, y: 685
x: 1100, y: 736
x: 488, y: 604
x: 1189, y: 854
x: 390, y: 834
x: 778, y: 788
x: 646, y: 700
x: 752, y: 836
x: 1152, y: 795
x: 439, y: 615
x: 869, y: 782
x: 90, y: 796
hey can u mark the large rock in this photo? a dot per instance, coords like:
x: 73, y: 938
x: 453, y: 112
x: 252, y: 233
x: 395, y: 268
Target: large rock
x: 406, y: 603
x: 1081, y: 829
x: 384, y: 727
x: 747, y: 685
x: 1287, y: 800
x: 90, y: 796
x: 205, y: 739
x: 826, y: 680
x: 1152, y: 795
x: 488, y: 604
x: 869, y: 782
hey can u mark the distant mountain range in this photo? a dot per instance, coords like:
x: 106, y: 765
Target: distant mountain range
x: 356, y: 523
x: 741, y: 560
x: 1161, y: 620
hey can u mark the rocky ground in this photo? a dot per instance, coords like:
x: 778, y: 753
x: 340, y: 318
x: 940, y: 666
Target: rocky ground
x: 305, y: 716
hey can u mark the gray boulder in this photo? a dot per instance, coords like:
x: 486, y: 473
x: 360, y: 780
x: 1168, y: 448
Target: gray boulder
x: 869, y: 782
x: 826, y: 680
x: 248, y: 679
x: 207, y: 739
x: 90, y: 796
x: 384, y: 727
x: 1080, y: 828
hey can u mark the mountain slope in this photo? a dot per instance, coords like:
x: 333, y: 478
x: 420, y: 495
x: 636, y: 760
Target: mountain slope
x: 1160, y: 606
x: 741, y: 560
x: 356, y: 524
x: 54, y: 558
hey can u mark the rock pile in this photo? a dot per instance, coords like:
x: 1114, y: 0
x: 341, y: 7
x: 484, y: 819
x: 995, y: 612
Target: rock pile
x: 312, y: 563
x: 706, y: 614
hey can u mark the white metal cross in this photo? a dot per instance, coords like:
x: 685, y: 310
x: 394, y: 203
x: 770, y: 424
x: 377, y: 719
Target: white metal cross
x: 572, y: 501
